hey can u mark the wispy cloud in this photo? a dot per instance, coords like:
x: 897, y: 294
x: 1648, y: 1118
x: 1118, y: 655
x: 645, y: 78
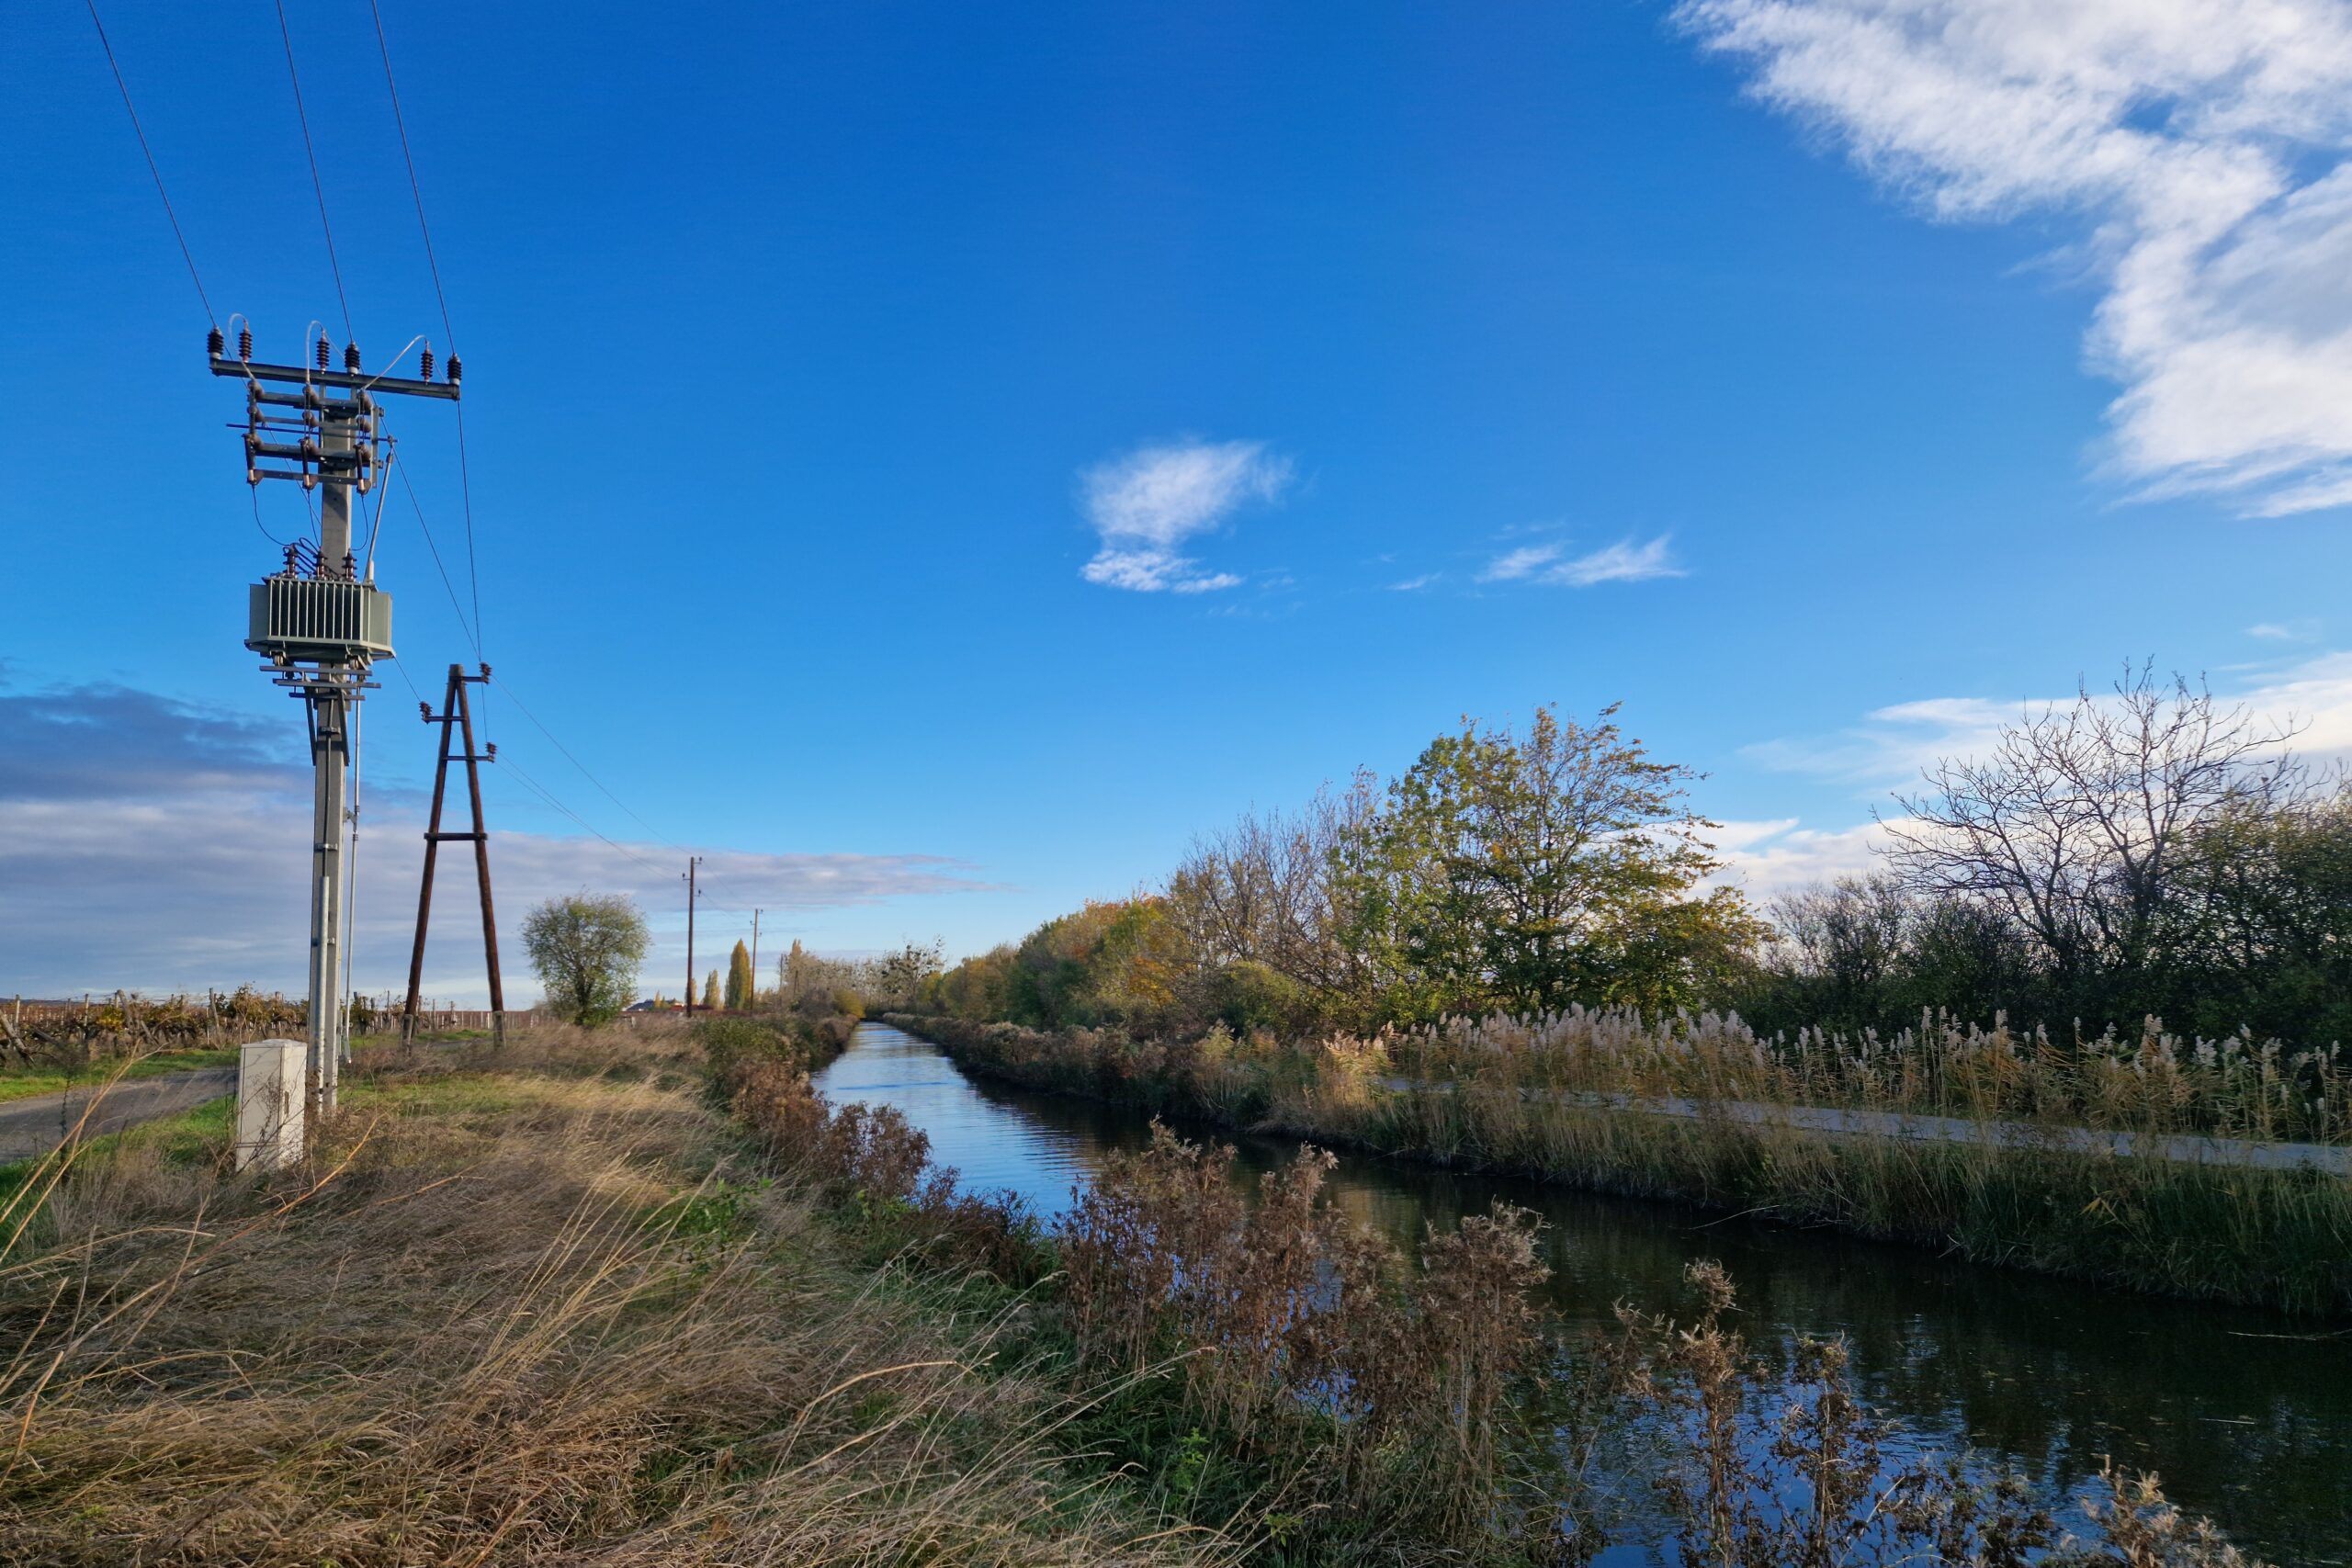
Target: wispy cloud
x: 1891, y: 745
x: 2285, y: 631
x: 2203, y: 141
x: 1624, y: 561
x: 1415, y: 584
x: 1145, y: 504
x: 1767, y: 858
x: 160, y: 846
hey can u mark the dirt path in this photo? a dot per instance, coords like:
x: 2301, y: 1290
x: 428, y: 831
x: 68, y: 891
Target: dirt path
x: 36, y: 1125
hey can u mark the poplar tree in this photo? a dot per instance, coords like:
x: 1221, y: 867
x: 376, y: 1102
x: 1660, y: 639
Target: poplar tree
x: 711, y: 992
x: 739, y: 978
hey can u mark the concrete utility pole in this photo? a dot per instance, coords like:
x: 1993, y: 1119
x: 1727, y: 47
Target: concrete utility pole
x: 692, y: 861
x: 457, y: 721
x: 319, y: 624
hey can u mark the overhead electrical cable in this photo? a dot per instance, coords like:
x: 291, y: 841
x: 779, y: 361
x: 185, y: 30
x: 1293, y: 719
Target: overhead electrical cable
x: 156, y: 174
x: 433, y: 264
x: 400, y: 123
x: 258, y: 523
x: 455, y: 605
x: 550, y: 797
x: 576, y: 762
x: 318, y: 187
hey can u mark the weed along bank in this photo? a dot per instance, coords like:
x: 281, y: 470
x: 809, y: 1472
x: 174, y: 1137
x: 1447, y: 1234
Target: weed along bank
x: 2025, y: 1374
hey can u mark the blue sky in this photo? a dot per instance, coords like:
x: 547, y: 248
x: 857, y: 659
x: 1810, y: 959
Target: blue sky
x: 935, y: 460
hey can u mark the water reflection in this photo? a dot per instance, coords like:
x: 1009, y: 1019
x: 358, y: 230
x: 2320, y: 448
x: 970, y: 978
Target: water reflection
x: 2251, y: 1427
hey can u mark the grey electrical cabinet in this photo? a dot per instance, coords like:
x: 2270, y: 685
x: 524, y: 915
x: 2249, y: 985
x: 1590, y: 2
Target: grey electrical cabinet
x: 316, y: 618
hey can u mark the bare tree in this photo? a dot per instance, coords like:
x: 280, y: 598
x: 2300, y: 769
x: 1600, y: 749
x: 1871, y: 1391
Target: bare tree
x: 1263, y: 890
x: 2076, y: 823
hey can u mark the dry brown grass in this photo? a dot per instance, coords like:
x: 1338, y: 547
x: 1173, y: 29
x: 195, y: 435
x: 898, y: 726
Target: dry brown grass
x: 515, y: 1316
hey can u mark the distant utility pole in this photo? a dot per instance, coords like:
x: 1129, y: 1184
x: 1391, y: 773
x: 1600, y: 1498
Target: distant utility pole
x: 319, y: 619
x: 457, y: 721
x: 692, y: 861
x: 754, y: 998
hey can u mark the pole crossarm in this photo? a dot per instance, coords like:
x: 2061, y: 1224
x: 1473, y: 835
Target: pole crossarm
x: 456, y: 720
x: 351, y: 380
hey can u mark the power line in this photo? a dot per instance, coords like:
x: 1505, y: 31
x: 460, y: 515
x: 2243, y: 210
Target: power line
x: 471, y: 635
x: 400, y: 124
x: 317, y: 187
x: 124, y: 88
x: 576, y: 762
x: 584, y: 772
x: 258, y: 523
x: 550, y: 797
x: 433, y: 264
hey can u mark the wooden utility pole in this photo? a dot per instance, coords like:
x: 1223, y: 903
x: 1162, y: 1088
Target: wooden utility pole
x: 753, y: 1001
x: 457, y: 721
x: 692, y: 861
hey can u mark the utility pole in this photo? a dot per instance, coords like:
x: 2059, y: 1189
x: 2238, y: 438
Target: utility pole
x: 692, y: 861
x: 457, y: 721
x: 321, y: 622
x: 753, y: 1001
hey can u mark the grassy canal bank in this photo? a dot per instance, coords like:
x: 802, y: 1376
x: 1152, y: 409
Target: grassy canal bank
x: 530, y: 1307
x: 644, y: 1297
x: 1513, y: 1096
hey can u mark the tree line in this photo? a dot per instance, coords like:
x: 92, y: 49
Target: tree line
x: 587, y: 950
x: 2139, y: 851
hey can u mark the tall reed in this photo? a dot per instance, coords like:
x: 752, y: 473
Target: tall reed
x: 1579, y: 1098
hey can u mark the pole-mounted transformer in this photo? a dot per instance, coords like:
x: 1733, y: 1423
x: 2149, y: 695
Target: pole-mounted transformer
x: 318, y: 620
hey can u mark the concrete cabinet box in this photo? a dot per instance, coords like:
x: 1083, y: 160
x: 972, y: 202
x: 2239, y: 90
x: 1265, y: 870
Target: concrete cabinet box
x: 272, y: 1076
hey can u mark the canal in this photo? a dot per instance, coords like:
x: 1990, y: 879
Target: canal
x: 2247, y: 1416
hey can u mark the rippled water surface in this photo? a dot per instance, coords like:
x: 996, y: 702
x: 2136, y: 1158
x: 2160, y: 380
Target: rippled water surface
x: 2247, y: 1416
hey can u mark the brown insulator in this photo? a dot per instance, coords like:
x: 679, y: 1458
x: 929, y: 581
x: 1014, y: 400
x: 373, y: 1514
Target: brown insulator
x: 424, y: 364
x: 214, y: 343
x: 325, y: 351
x: 424, y: 712
x: 457, y: 369
x: 245, y: 343
x: 351, y: 357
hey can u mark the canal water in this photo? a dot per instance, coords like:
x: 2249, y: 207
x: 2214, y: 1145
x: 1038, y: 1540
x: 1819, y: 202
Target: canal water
x: 2247, y: 1416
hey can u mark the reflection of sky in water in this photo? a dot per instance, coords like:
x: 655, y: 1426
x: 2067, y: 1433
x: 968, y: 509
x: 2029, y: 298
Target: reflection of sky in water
x: 2253, y: 1430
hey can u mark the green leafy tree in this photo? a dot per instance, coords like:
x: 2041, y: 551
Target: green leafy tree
x: 711, y: 992
x: 1529, y: 872
x: 740, y: 982
x: 586, y: 950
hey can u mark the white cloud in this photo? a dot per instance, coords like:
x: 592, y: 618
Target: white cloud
x: 2204, y: 142
x: 1767, y: 858
x: 1624, y: 561
x: 2285, y: 631
x: 1415, y: 584
x: 1525, y: 561
x: 1892, y: 744
x: 158, y: 847
x: 1148, y: 503
x: 1889, y: 748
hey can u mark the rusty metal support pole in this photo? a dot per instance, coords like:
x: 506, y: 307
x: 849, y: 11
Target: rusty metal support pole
x: 481, y: 858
